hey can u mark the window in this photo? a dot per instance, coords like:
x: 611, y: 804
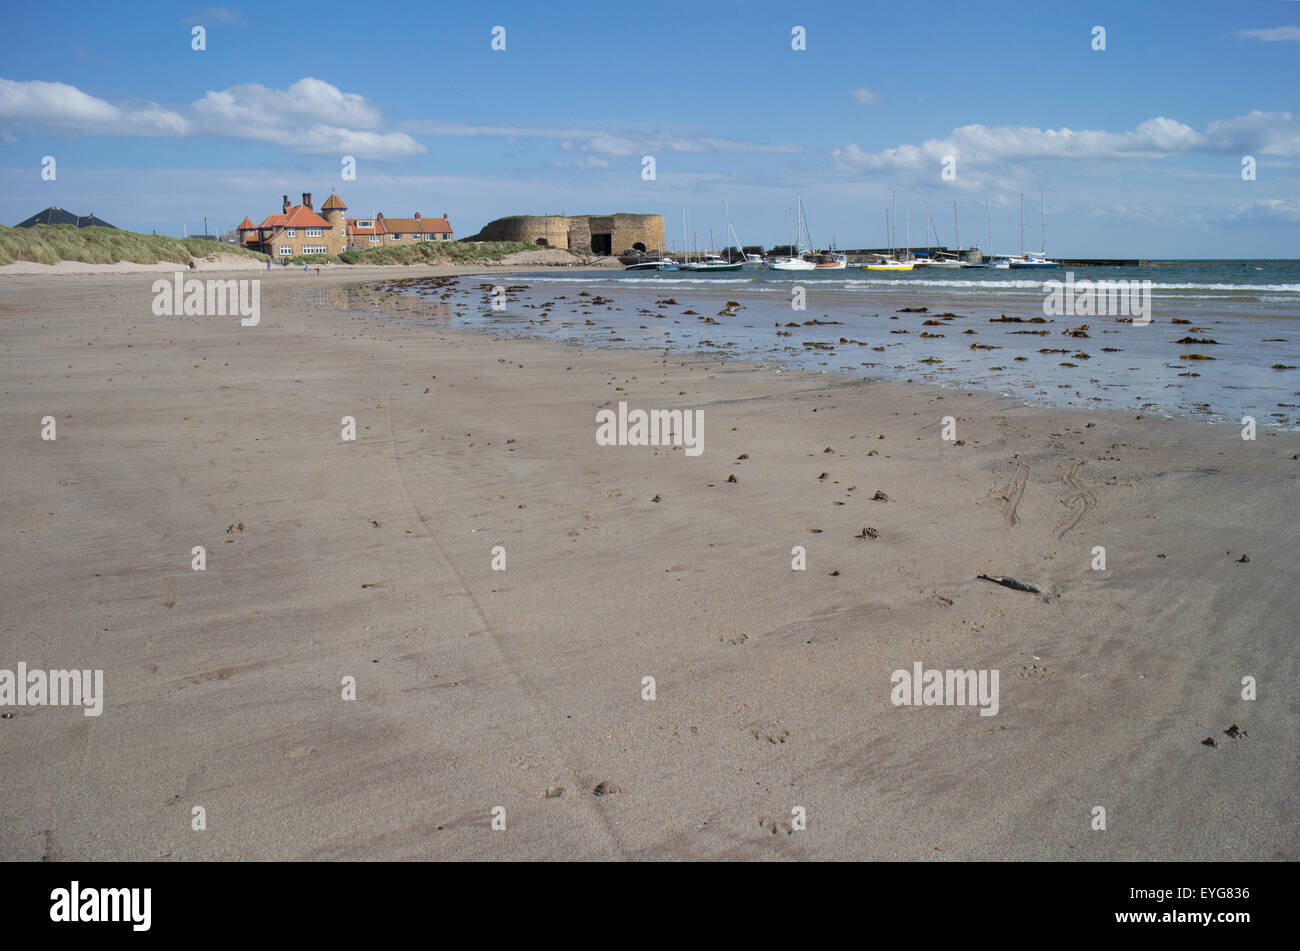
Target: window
x: 313, y: 232
x: 396, y: 237
x: 364, y: 224
x: 376, y: 239
x: 291, y: 232
x: 315, y: 249
x: 286, y: 251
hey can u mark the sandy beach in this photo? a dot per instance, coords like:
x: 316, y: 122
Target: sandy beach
x: 523, y: 688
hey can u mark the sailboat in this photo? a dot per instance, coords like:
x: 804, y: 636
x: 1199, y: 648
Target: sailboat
x: 832, y: 260
x: 891, y: 263
x: 797, y: 262
x: 948, y: 262
x: 1034, y: 260
x: 671, y: 265
x: 713, y: 264
x: 985, y: 263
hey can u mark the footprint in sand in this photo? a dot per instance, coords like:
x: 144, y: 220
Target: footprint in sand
x: 773, y: 826
x: 773, y: 733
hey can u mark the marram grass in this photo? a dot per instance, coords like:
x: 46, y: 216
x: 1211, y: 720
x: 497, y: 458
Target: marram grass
x: 437, y: 252
x: 50, y: 244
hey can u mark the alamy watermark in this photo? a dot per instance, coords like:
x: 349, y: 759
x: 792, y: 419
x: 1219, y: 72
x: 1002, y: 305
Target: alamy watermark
x: 656, y: 427
x: 210, y: 298
x: 53, y: 688
x: 1086, y: 298
x: 945, y: 688
x: 75, y: 903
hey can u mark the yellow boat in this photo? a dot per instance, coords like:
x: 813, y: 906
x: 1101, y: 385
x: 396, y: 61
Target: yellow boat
x: 889, y: 266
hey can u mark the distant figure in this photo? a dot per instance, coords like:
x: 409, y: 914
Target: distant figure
x: 191, y: 265
x: 304, y: 268
x: 318, y: 269
x: 268, y: 264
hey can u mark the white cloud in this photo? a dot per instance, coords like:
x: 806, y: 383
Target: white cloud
x: 216, y: 15
x: 1264, y: 133
x: 865, y: 96
x: 1269, y: 211
x: 65, y: 107
x: 1272, y: 133
x: 310, y: 116
x: 1276, y: 34
x: 601, y: 141
x: 308, y: 100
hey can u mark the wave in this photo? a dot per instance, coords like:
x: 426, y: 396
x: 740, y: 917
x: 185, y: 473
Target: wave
x: 907, y: 283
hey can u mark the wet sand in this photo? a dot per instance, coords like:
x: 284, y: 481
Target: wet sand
x: 479, y: 688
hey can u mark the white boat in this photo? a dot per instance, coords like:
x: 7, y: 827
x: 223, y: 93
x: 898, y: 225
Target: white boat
x: 797, y: 262
x: 836, y: 262
x: 792, y: 264
x: 890, y: 263
x: 1034, y: 260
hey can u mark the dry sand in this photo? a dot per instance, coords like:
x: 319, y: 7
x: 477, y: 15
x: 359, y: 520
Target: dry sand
x: 481, y: 688
x: 541, y: 259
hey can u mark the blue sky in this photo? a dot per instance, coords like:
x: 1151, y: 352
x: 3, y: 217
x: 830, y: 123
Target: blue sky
x: 1139, y: 146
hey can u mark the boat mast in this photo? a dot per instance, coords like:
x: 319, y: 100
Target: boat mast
x: 990, y: 254
x: 1044, y: 239
x: 893, y: 233
x: 1022, y: 224
x: 726, y: 213
x: 798, y: 226
x: 955, y: 236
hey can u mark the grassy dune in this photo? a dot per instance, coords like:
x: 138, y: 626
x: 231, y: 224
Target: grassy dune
x: 437, y: 252
x: 50, y: 244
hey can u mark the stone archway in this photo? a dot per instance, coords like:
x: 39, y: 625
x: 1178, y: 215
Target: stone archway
x: 602, y: 243
x: 543, y: 242
x: 638, y: 246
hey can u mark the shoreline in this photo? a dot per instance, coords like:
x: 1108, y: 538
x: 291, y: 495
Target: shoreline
x: 478, y: 688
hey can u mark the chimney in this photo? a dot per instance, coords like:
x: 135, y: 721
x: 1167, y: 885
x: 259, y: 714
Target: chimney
x: 286, y: 204
x: 306, y: 200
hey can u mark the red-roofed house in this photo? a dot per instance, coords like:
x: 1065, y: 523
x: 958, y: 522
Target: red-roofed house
x: 379, y: 231
x: 298, y: 229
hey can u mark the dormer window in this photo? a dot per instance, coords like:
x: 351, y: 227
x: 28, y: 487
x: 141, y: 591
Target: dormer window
x: 291, y: 232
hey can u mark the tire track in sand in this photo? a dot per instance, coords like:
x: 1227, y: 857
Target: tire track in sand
x: 529, y: 694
